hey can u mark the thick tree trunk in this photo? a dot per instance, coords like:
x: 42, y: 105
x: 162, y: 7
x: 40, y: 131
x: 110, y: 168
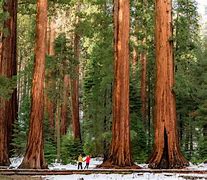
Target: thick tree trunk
x: 8, y: 68
x: 75, y: 93
x: 34, y: 156
x: 64, y: 108
x: 167, y: 152
x: 120, y: 152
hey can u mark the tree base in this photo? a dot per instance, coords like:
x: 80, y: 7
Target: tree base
x: 29, y: 165
x: 178, y: 163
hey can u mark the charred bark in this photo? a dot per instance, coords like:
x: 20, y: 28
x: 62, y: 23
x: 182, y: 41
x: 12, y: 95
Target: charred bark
x: 34, y: 156
x: 167, y: 152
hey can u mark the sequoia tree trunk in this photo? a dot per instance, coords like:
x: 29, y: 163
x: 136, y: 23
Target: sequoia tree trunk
x: 49, y: 104
x: 143, y: 59
x: 120, y: 152
x: 0, y: 45
x: 167, y: 152
x: 8, y: 68
x: 64, y: 107
x: 75, y: 92
x: 34, y: 156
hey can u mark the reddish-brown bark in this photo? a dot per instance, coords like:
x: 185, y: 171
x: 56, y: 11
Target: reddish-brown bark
x: 143, y: 59
x: 120, y: 152
x: 167, y: 152
x: 49, y: 104
x: 0, y: 44
x: 75, y: 92
x: 8, y: 68
x: 64, y: 107
x: 34, y: 156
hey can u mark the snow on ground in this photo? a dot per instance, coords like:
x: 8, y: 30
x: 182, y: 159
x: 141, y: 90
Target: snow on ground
x: 57, y: 166
x: 134, y: 176
x: 15, y: 162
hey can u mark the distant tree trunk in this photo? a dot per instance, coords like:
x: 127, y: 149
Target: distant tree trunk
x: 143, y: 59
x: 34, y: 156
x: 64, y: 107
x: 167, y: 152
x: 134, y: 61
x: 8, y: 68
x: 50, y: 107
x: 57, y: 128
x: 75, y: 92
x: 120, y: 152
x: 0, y: 44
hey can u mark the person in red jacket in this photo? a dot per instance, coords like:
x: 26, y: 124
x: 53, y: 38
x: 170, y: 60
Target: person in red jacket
x: 87, y: 160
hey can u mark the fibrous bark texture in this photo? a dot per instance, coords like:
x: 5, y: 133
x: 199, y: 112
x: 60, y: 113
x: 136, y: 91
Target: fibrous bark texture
x: 120, y: 152
x: 49, y: 104
x: 143, y: 59
x: 8, y: 68
x: 75, y: 93
x: 167, y: 152
x: 64, y: 107
x: 34, y: 156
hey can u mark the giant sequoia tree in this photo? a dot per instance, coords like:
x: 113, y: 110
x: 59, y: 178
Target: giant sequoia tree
x: 120, y: 152
x: 8, y: 68
x: 166, y: 147
x: 34, y: 156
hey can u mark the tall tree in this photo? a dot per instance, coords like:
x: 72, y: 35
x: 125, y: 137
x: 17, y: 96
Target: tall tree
x: 34, y: 156
x: 8, y: 68
x: 120, y: 152
x: 64, y: 107
x: 75, y: 87
x: 167, y: 152
x: 51, y: 52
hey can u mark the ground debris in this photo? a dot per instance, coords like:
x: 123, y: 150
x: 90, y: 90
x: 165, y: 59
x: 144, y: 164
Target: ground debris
x: 20, y: 178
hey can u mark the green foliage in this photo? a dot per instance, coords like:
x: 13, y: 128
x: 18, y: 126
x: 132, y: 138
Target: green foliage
x: 21, y: 127
x: 49, y: 143
x: 97, y: 85
x: 7, y: 86
x: 89, y: 145
x: 59, y: 65
x: 70, y: 149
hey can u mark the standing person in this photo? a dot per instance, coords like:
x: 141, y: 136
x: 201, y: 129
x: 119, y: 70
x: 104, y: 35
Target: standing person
x: 87, y: 160
x: 80, y: 160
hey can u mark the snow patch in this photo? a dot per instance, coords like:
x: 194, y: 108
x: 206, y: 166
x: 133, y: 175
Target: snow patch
x: 15, y: 162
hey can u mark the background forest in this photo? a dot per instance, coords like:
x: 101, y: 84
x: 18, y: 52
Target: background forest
x: 79, y: 78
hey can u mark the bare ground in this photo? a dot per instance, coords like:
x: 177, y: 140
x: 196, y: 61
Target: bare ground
x: 20, y: 178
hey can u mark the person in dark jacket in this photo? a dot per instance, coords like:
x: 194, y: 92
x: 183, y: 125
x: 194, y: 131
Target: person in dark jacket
x: 80, y: 161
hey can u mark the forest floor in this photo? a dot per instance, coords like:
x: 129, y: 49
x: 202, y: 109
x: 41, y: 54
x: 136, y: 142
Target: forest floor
x: 70, y: 172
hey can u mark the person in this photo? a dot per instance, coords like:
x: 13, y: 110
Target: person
x: 80, y: 160
x: 87, y: 160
